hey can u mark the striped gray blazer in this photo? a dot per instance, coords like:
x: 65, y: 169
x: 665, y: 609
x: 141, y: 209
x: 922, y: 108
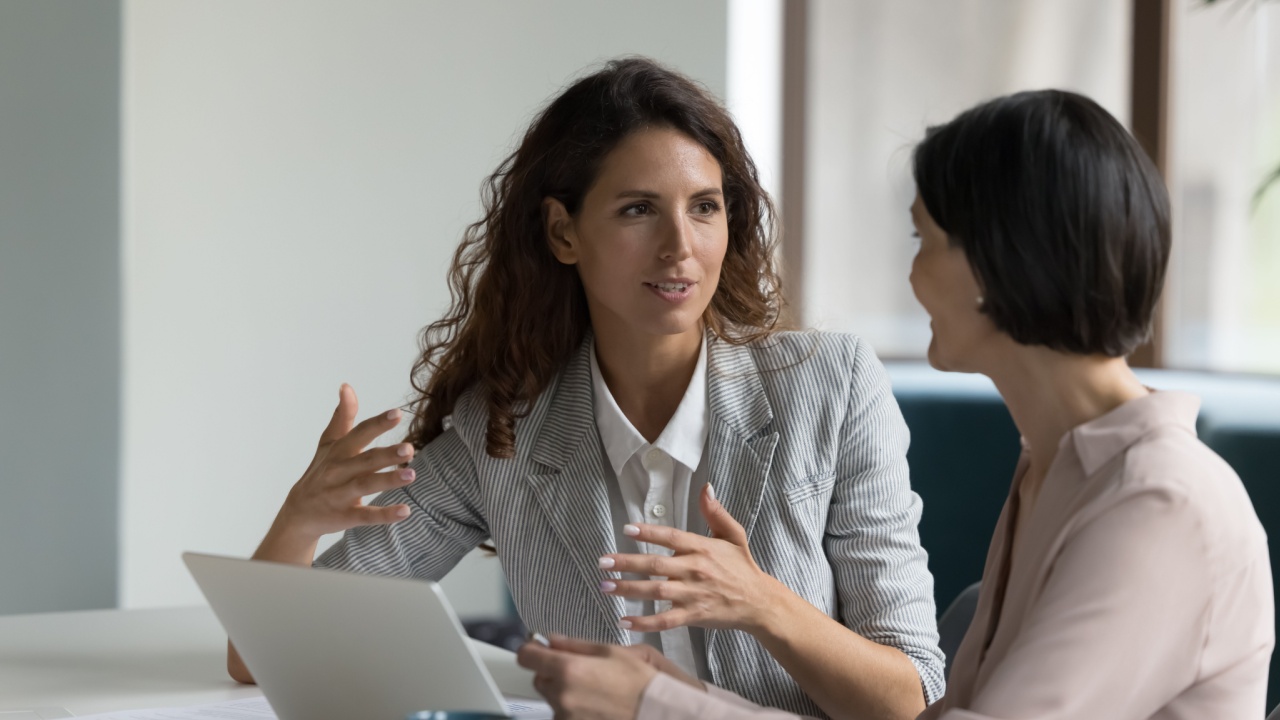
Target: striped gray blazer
x: 806, y: 448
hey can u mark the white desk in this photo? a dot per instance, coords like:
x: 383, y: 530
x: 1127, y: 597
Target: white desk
x: 105, y: 660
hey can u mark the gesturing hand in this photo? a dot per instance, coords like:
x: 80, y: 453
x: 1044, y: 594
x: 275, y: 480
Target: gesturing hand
x: 327, y: 498
x: 710, y: 582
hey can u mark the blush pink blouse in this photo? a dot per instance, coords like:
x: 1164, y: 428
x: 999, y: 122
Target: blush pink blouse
x: 1141, y: 590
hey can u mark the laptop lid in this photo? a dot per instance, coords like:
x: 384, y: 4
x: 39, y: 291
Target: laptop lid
x: 328, y: 644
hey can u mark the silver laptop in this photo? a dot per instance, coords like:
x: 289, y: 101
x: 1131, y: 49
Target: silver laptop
x: 325, y: 644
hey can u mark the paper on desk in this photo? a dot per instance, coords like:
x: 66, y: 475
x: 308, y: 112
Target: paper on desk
x: 512, y: 680
x: 254, y: 708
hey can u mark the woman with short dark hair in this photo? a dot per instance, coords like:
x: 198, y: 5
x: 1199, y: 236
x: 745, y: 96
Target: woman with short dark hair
x: 1128, y: 577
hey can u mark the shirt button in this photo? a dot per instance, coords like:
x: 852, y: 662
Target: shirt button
x: 652, y: 457
x: 658, y: 510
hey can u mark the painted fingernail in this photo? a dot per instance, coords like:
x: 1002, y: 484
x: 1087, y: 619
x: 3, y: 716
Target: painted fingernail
x: 402, y: 512
x: 631, y: 530
x: 404, y: 450
x: 407, y: 474
x: 608, y: 586
x: 624, y: 624
x: 606, y: 563
x: 711, y: 492
x: 393, y: 414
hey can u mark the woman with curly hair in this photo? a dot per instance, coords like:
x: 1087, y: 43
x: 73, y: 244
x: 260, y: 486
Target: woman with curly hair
x: 613, y: 352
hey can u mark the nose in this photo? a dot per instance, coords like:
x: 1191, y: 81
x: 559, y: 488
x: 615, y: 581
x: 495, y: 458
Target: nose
x: 676, y: 238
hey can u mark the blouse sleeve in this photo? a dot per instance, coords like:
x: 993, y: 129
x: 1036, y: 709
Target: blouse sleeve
x: 666, y: 698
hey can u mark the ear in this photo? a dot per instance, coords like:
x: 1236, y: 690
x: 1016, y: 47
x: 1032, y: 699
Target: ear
x: 562, y: 237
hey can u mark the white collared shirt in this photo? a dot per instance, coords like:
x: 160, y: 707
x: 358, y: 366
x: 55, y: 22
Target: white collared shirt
x: 656, y: 479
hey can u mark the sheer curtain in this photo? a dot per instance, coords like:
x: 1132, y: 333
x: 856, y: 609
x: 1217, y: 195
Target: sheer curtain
x: 880, y: 74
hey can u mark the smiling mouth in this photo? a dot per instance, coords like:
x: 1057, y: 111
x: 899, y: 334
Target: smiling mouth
x: 677, y: 287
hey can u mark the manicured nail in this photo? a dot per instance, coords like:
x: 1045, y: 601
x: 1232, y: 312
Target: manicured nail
x: 631, y: 530
x: 624, y: 624
x: 539, y: 638
x: 404, y: 450
x: 393, y: 414
x: 711, y: 492
x: 608, y: 586
x: 606, y: 563
x: 402, y: 512
x: 407, y: 474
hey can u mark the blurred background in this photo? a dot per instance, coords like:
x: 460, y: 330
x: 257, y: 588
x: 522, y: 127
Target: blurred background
x: 212, y: 214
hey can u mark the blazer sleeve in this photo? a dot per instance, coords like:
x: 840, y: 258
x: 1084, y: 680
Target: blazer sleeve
x: 445, y: 522
x: 1120, y: 624
x: 885, y: 590
x: 666, y: 698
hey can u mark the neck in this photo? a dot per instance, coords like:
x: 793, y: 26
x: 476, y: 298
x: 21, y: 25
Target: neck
x: 648, y: 375
x: 1049, y: 393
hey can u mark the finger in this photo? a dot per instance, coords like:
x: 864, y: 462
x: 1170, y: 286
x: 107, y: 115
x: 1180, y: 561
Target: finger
x: 719, y: 521
x: 661, y: 565
x: 343, y: 416
x: 673, y: 618
x: 578, y: 646
x: 371, y: 461
x: 536, y: 657
x: 379, y: 482
x: 366, y: 432
x: 668, y: 537
x: 675, y: 592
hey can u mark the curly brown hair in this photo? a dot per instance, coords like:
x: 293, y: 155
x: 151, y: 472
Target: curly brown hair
x: 518, y: 314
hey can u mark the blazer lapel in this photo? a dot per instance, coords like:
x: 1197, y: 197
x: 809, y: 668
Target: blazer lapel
x: 571, y: 491
x: 740, y: 443
x: 740, y: 447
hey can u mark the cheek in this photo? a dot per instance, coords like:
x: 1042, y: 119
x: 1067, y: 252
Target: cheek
x: 712, y: 252
x: 924, y: 283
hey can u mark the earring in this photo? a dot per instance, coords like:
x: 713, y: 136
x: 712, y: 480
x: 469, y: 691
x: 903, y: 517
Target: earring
x: 980, y: 300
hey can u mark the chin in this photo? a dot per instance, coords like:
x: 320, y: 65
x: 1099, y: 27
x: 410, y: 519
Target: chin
x: 938, y: 361
x: 677, y: 323
x: 935, y: 360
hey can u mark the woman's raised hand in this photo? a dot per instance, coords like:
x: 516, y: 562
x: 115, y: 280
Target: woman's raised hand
x: 328, y: 496
x: 710, y: 582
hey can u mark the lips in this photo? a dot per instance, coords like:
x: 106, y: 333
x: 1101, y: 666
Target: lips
x: 674, y: 289
x: 670, y: 287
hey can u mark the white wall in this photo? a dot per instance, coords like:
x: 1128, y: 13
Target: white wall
x: 59, y: 304
x: 296, y: 176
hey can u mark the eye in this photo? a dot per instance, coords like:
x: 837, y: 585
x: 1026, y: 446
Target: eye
x: 707, y: 207
x: 637, y: 210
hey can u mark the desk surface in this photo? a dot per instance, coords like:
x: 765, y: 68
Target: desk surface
x: 105, y: 660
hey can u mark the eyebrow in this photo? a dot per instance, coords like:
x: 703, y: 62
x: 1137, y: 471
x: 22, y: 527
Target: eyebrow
x: 651, y: 195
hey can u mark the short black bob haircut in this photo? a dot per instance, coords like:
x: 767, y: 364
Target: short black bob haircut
x: 1061, y: 215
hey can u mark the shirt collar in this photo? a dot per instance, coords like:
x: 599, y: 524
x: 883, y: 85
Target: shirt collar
x: 684, y: 436
x: 1101, y: 439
